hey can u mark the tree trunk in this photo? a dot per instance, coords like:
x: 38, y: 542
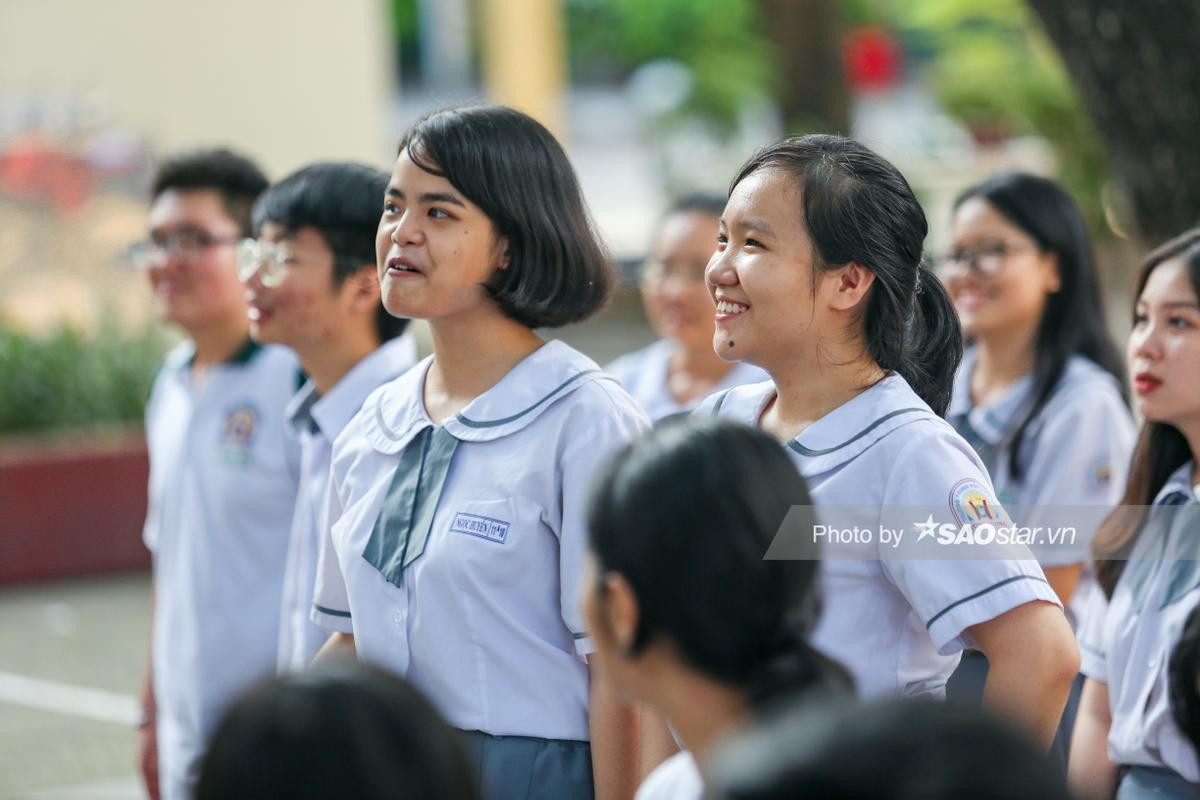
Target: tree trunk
x: 807, y: 35
x: 1136, y: 65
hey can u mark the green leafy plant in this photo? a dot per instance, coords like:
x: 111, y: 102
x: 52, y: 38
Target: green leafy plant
x: 68, y: 379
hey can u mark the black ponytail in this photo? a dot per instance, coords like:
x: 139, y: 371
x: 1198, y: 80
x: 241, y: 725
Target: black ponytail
x: 857, y: 207
x: 686, y: 514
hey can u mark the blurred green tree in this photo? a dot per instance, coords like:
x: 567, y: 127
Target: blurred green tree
x: 717, y: 40
x: 993, y: 69
x: 1137, y: 68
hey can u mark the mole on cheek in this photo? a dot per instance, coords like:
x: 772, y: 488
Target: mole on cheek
x: 731, y: 343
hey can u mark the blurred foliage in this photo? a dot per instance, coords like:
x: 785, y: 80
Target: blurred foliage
x: 993, y: 68
x: 717, y: 40
x: 67, y: 379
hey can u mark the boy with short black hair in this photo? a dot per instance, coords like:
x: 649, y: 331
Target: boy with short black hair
x: 312, y: 285
x: 223, y: 468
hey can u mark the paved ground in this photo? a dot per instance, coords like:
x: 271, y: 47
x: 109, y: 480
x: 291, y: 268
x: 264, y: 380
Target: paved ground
x: 72, y: 655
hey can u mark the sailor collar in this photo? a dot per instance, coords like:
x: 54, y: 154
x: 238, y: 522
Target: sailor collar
x: 843, y: 433
x: 990, y: 422
x: 396, y: 414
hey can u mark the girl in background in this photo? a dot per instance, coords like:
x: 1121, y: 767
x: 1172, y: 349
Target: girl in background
x: 680, y: 369
x: 1148, y: 554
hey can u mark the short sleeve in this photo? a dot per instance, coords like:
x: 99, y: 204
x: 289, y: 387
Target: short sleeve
x: 1081, y: 458
x: 331, y: 604
x: 939, y: 471
x: 580, y: 461
x: 150, y: 536
x: 1093, y: 654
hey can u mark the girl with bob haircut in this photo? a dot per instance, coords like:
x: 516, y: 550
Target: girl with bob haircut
x: 679, y: 370
x: 1147, y: 554
x: 817, y: 278
x: 687, y: 614
x: 456, y: 543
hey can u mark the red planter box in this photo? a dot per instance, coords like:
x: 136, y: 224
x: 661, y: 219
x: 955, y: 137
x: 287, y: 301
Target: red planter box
x: 72, y: 505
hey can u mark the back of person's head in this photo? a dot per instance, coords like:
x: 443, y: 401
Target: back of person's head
x: 237, y: 180
x: 893, y: 750
x: 1073, y: 319
x: 338, y: 730
x: 342, y: 202
x: 1185, y: 680
x: 857, y: 207
x: 684, y: 515
x: 517, y: 173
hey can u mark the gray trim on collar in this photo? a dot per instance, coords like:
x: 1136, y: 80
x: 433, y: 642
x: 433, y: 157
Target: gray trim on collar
x: 716, y: 411
x: 470, y: 423
x: 805, y: 451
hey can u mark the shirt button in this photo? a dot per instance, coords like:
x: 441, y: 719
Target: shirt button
x: 396, y: 617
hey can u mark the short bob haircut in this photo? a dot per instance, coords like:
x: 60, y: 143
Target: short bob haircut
x: 341, y: 729
x: 510, y: 166
x: 341, y: 202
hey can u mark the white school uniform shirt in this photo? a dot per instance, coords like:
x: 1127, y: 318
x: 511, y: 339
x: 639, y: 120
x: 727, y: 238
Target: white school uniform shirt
x: 223, y: 472
x: 1127, y: 641
x: 317, y: 420
x: 487, y: 620
x: 644, y: 375
x: 677, y: 778
x: 1074, y: 452
x: 899, y: 626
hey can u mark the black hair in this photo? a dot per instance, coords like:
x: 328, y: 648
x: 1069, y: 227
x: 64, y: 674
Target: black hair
x: 510, y: 166
x: 1184, y: 674
x: 1161, y: 447
x: 237, y: 179
x: 698, y: 203
x: 892, y: 750
x: 686, y: 514
x: 857, y: 207
x: 341, y: 201
x: 338, y: 730
x: 1073, y: 320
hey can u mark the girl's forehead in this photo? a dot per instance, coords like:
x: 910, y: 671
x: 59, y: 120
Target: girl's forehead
x: 1169, y: 282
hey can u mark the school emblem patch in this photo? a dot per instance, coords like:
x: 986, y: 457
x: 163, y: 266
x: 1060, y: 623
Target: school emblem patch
x: 971, y: 502
x: 237, y: 434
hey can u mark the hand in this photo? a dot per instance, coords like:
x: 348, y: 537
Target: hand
x: 148, y: 757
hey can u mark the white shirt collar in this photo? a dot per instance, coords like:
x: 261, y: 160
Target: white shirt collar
x: 1180, y: 481
x: 844, y: 432
x: 550, y: 372
x: 993, y: 420
x: 333, y: 411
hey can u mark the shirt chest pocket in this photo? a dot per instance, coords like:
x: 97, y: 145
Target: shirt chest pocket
x: 494, y: 541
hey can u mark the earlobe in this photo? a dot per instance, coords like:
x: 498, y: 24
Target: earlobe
x: 853, y: 281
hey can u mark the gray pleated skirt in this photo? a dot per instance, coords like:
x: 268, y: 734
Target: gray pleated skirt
x: 526, y: 768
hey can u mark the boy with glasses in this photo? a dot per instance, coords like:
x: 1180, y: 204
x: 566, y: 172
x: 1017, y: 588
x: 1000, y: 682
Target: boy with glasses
x: 223, y: 469
x: 311, y: 284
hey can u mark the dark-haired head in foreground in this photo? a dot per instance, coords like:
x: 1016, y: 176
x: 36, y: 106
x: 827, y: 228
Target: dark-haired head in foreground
x: 681, y: 593
x: 340, y: 730
x: 895, y: 750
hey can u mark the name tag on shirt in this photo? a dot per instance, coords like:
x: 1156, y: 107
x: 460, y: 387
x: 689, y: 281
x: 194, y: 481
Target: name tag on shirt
x: 494, y: 530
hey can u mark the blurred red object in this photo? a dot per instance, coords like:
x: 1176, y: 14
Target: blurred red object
x: 32, y: 168
x: 874, y: 59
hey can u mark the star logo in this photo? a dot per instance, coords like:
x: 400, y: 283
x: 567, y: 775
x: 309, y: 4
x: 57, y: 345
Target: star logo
x: 927, y: 528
